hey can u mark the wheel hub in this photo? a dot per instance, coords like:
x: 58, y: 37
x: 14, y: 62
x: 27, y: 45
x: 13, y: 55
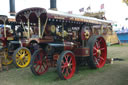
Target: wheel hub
x: 99, y: 52
x: 22, y: 56
x: 39, y: 62
x: 68, y: 65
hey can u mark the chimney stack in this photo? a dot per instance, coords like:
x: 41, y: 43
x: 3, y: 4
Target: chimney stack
x: 12, y: 7
x: 53, y: 5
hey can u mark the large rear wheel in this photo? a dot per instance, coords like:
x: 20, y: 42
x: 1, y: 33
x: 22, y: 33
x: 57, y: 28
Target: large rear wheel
x: 39, y: 62
x: 98, y: 52
x: 66, y: 65
x: 22, y: 57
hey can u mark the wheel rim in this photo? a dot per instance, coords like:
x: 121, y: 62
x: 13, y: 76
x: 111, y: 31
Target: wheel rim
x: 23, y: 58
x: 9, y: 60
x: 100, y: 52
x: 40, y: 63
x: 68, y: 65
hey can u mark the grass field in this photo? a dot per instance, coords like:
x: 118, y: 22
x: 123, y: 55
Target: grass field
x: 114, y: 74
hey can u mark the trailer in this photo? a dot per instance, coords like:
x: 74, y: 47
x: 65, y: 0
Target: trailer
x: 63, y: 40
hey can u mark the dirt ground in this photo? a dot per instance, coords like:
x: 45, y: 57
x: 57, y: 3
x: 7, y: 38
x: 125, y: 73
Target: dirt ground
x: 110, y: 74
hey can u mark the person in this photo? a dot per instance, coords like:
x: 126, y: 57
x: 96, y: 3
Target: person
x: 20, y: 31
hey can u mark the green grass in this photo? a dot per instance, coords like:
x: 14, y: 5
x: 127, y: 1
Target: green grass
x: 118, y: 45
x: 85, y: 76
x: 25, y: 77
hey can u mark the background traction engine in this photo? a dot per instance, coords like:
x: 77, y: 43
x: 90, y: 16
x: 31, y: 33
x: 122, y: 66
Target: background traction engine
x: 11, y: 44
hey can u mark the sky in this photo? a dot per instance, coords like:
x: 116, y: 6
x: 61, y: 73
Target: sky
x: 115, y: 10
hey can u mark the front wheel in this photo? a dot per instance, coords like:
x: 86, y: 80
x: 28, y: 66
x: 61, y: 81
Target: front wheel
x: 8, y: 59
x: 98, y: 52
x: 21, y: 57
x: 39, y: 62
x: 66, y: 65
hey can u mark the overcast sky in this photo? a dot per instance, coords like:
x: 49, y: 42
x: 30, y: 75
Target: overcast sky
x: 115, y: 10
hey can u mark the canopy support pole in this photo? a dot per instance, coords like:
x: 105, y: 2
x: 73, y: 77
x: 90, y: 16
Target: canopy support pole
x: 28, y: 22
x: 63, y: 32
x: 39, y: 25
x: 44, y: 26
x: 5, y: 35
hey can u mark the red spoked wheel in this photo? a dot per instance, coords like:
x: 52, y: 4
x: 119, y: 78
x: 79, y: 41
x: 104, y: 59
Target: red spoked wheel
x: 39, y: 62
x: 66, y: 65
x: 98, y: 52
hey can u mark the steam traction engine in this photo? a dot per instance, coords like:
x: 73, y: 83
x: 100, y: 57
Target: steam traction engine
x: 12, y: 43
x: 62, y: 40
x: 6, y: 36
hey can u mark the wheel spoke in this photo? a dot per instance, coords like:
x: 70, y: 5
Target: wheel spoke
x: 36, y: 65
x: 100, y: 40
x: 19, y: 53
x: 39, y: 69
x: 98, y: 44
x: 96, y: 60
x: 26, y: 57
x: 101, y: 57
x: 41, y: 57
x: 66, y: 58
x: 63, y: 70
x: 94, y: 48
x: 64, y: 66
x: 70, y: 69
x: 67, y: 73
x: 43, y: 65
x: 71, y: 64
x: 102, y: 48
x: 94, y: 54
x: 26, y: 54
x: 17, y: 60
x: 22, y: 62
x: 70, y: 60
x: 23, y: 52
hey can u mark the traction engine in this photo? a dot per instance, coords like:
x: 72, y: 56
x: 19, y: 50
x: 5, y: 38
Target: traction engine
x: 62, y: 40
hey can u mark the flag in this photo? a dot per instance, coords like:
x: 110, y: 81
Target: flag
x: 81, y: 10
x: 125, y: 1
x: 89, y: 8
x: 102, y: 6
x: 69, y: 12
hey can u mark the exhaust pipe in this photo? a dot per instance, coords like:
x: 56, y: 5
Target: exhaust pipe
x: 53, y: 5
x: 12, y: 7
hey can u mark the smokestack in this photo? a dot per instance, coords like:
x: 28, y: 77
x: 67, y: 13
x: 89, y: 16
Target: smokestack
x: 53, y: 5
x: 12, y: 7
